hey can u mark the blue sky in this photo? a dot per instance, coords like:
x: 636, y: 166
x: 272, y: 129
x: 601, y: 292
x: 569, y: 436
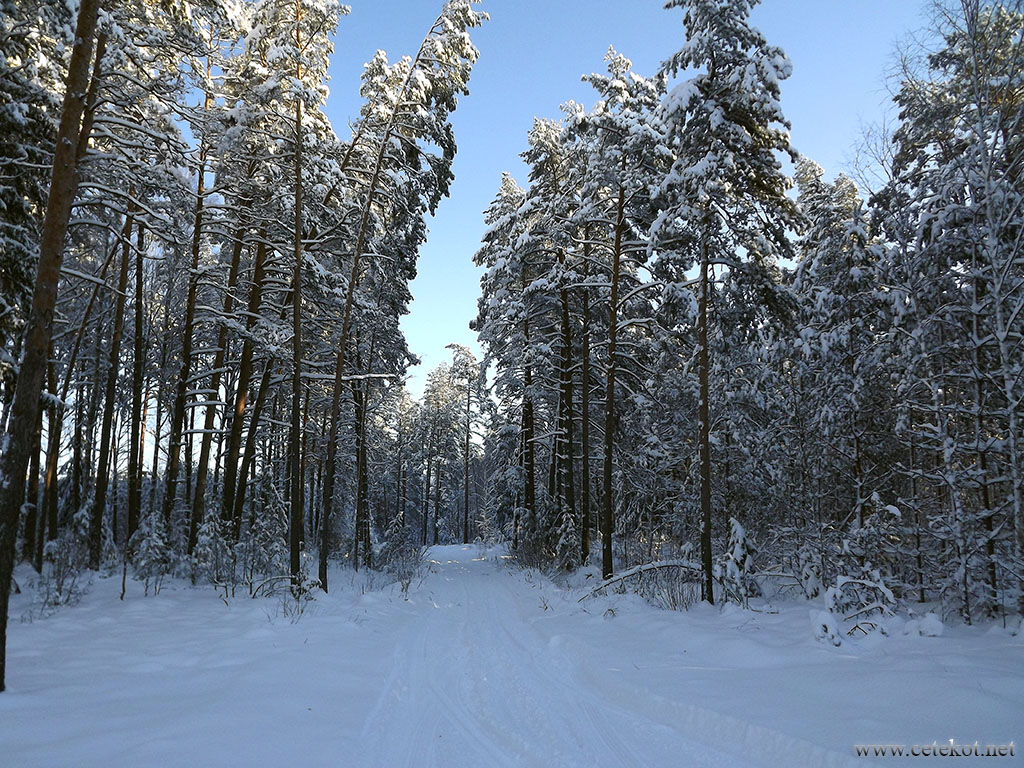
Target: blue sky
x: 532, y: 54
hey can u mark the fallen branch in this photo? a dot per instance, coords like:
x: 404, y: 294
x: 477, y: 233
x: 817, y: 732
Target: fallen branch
x: 254, y: 593
x: 688, y: 565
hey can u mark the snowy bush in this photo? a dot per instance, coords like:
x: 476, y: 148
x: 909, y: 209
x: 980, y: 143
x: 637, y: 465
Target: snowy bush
x: 861, y: 601
x: 532, y: 551
x: 488, y: 530
x: 825, y: 628
x: 793, y: 559
x: 401, y: 556
x: 866, y: 562
x: 964, y: 584
x: 212, y: 558
x: 154, y: 557
x: 930, y: 625
x: 671, y: 589
x: 60, y: 581
x: 875, y: 546
x: 296, y: 600
x: 669, y: 584
x: 735, y: 569
x: 567, y: 549
x: 263, y: 553
x: 809, y: 571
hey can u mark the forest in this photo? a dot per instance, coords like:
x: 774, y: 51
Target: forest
x: 699, y: 353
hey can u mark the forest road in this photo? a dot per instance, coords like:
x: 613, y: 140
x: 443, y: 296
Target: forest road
x: 478, y: 676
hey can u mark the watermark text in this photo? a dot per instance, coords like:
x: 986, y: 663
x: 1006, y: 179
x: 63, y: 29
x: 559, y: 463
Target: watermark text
x: 948, y: 748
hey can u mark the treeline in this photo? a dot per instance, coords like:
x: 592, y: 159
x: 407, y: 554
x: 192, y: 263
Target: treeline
x: 201, y: 282
x: 689, y: 357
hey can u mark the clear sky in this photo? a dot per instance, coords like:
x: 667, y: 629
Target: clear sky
x: 532, y: 54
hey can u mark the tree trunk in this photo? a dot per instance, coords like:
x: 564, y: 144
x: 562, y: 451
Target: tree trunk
x: 426, y: 488
x: 607, y: 515
x: 359, y: 403
x: 213, y: 395
x: 304, y: 461
x: 567, y: 475
x: 248, y: 456
x: 403, y: 490
x: 704, y: 421
x: 158, y: 419
x: 437, y: 500
x: 25, y: 405
x: 31, y: 503
x: 295, y: 527
x: 135, y: 429
x: 231, y: 477
x: 177, y: 424
x: 465, y: 478
x: 529, y: 449
x: 49, y: 510
x: 585, y: 414
x: 76, y: 454
x: 109, y: 401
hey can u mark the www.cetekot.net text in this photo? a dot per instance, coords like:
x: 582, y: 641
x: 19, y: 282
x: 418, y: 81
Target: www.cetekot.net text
x: 935, y: 749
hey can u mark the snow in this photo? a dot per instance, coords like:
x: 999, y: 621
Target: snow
x: 484, y: 664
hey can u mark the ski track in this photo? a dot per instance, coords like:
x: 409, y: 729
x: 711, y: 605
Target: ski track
x: 474, y: 681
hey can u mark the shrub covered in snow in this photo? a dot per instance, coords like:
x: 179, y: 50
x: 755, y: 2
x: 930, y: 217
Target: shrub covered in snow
x: 736, y: 567
x: 154, y: 556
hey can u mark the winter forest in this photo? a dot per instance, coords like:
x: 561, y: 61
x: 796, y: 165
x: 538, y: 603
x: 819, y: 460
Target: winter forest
x: 715, y: 388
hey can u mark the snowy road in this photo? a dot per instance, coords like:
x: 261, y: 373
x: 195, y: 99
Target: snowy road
x: 484, y: 664
x: 473, y: 681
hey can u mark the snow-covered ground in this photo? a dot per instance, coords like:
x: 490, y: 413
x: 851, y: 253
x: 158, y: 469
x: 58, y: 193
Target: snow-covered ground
x: 484, y: 664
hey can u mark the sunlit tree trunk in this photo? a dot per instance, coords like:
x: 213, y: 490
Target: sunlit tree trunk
x: 25, y: 405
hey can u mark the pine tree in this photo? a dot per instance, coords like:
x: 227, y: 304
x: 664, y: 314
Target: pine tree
x: 725, y: 200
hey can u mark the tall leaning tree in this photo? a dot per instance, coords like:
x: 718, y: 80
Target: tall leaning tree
x: 394, y: 135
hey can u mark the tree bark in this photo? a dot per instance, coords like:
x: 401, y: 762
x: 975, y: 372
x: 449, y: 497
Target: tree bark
x: 359, y: 403
x: 426, y: 487
x: 48, y: 514
x: 437, y: 500
x: 158, y: 417
x: 249, y: 454
x: 31, y: 502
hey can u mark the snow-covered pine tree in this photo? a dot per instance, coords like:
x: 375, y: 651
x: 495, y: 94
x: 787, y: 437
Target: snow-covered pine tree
x: 466, y: 372
x: 625, y: 154
x: 952, y: 213
x: 409, y: 111
x: 724, y: 200
x: 502, y: 327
